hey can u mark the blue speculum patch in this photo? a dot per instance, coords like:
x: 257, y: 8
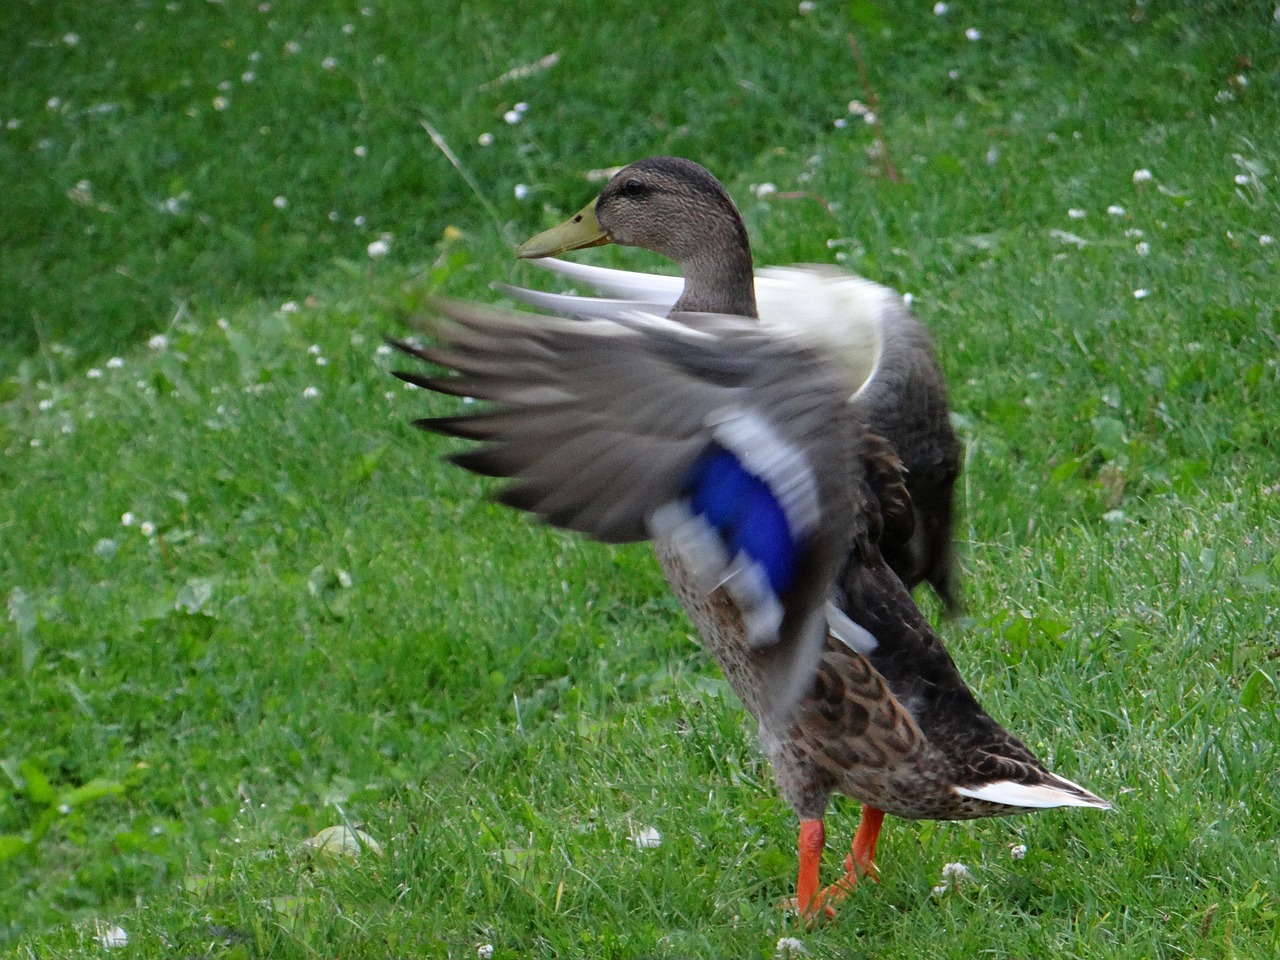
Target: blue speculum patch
x: 745, y: 513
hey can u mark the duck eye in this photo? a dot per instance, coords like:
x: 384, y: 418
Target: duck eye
x: 634, y: 188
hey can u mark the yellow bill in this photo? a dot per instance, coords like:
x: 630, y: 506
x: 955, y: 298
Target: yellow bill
x: 580, y: 230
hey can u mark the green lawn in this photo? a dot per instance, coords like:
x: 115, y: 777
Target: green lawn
x: 245, y: 601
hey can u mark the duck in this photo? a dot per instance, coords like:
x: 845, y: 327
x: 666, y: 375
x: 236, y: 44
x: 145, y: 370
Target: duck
x: 677, y: 208
x: 738, y: 451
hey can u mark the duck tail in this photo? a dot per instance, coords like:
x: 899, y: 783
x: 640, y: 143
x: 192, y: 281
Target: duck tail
x: 1049, y: 790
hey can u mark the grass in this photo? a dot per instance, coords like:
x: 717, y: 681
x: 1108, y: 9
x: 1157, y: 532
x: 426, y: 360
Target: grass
x: 320, y: 624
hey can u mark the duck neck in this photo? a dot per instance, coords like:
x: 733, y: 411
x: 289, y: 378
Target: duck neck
x: 719, y: 278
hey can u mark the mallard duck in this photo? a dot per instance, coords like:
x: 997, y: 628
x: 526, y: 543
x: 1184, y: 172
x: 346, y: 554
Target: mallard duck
x: 677, y: 208
x: 737, y: 450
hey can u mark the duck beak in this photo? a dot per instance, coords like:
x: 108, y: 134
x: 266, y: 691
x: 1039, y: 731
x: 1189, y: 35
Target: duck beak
x: 580, y: 230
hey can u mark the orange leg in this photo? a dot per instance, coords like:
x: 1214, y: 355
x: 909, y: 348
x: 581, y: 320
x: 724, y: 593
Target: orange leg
x: 860, y: 863
x: 808, y: 899
x: 861, y: 860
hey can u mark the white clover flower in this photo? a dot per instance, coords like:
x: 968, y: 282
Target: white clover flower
x: 348, y: 28
x: 763, y: 190
x: 1066, y: 236
x: 71, y: 39
x: 311, y: 392
x: 115, y: 363
x: 1242, y: 179
x: 328, y: 63
x: 280, y: 203
x: 1141, y: 293
x: 361, y: 151
x: 292, y: 46
x: 379, y: 248
x: 1142, y: 176
x: 858, y: 108
x: 791, y: 947
x: 223, y: 324
x: 314, y: 349
x: 869, y: 117
x: 521, y: 107
x: 840, y: 123
x: 248, y: 76
x: 1266, y: 239
x: 953, y: 74
x: 289, y: 306
x: 521, y: 191
x: 956, y: 871
x: 1018, y: 851
x: 1142, y: 248
x: 1075, y: 213
x: 146, y: 528
x: 383, y: 350
x: 94, y: 373
x: 359, y: 221
x: 112, y: 937
x: 646, y: 838
x: 1115, y: 210
x: 806, y: 6
x: 940, y: 9
x: 221, y: 103
x: 939, y: 890
x: 973, y: 34
x: 127, y: 519
x: 45, y: 404
x: 511, y: 116
x: 53, y: 103
x: 484, y: 951
x: 485, y: 139
x: 322, y: 361
x: 1133, y: 233
x: 13, y: 124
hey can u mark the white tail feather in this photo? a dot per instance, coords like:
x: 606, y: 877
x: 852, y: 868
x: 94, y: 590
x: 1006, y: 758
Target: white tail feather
x: 1038, y: 796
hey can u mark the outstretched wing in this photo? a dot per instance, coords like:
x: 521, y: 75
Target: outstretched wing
x: 840, y: 311
x: 704, y: 430
x: 887, y: 355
